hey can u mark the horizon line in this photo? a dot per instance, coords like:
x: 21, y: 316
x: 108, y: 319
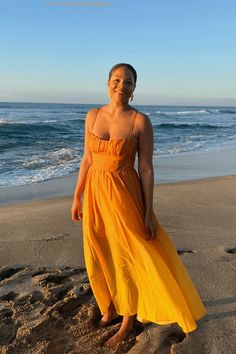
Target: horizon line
x: 137, y: 104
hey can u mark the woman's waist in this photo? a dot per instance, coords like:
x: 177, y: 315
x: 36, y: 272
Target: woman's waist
x: 111, y: 162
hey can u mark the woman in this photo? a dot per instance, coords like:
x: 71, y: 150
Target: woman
x: 133, y: 267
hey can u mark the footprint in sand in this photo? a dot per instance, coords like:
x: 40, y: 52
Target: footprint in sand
x: 231, y: 250
x: 181, y: 251
x: 7, y: 272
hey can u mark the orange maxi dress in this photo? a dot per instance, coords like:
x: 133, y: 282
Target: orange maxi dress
x: 141, y: 277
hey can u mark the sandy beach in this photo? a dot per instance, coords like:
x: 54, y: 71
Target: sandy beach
x: 46, y: 302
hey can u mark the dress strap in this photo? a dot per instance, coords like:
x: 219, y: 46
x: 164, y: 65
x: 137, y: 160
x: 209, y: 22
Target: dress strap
x: 132, y: 127
x: 95, y: 120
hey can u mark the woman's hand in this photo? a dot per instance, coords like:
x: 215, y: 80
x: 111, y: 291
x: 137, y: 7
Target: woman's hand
x: 151, y: 226
x: 76, y: 210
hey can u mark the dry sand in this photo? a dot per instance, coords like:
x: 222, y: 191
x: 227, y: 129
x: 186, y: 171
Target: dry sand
x: 46, y: 304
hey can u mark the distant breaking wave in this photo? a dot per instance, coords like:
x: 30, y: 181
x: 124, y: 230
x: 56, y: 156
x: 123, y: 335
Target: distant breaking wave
x: 200, y: 111
x: 192, y: 126
x: 34, y: 122
x: 3, y: 121
x: 228, y: 111
x: 19, y: 127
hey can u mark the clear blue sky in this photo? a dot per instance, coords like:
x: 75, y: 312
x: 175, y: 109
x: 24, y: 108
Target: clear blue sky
x: 184, y: 51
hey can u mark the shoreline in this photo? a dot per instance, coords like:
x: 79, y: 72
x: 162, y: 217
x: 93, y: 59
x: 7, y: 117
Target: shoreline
x: 167, y: 170
x: 41, y: 192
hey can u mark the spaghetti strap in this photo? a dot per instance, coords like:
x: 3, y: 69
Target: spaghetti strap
x: 132, y: 127
x: 91, y: 130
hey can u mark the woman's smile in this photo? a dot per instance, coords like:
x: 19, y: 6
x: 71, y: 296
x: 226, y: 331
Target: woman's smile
x: 120, y: 92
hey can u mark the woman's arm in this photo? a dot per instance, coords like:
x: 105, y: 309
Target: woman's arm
x: 76, y: 208
x: 145, y: 169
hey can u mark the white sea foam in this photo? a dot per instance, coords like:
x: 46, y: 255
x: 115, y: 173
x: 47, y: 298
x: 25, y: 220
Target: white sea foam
x: 54, y: 158
x: 2, y: 121
x: 39, y: 170
x: 49, y: 121
x: 201, y: 111
x: 29, y: 121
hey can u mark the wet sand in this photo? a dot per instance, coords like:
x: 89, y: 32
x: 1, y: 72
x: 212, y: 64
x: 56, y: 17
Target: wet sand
x: 46, y: 304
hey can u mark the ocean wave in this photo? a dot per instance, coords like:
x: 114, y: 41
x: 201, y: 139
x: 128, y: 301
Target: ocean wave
x: 170, y: 113
x: 185, y: 125
x: 19, y: 128
x: 5, y: 106
x: 40, y: 122
x: 228, y: 111
x: 50, y: 121
x: 52, y: 158
x: 177, y: 150
x: 3, y: 121
x: 202, y: 146
x: 38, y: 175
x: 42, y: 167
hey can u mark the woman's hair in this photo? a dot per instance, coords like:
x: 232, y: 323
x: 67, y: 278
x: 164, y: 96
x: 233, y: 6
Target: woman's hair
x: 128, y: 66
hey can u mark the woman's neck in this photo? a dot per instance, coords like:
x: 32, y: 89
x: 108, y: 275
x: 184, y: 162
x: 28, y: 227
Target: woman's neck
x: 117, y: 107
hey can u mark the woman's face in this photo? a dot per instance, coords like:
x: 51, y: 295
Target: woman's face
x: 121, y: 84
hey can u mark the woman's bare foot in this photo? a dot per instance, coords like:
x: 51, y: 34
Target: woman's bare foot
x: 125, y: 329
x: 109, y: 315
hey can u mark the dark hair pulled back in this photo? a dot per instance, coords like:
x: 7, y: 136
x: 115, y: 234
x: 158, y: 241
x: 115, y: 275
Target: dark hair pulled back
x: 128, y: 66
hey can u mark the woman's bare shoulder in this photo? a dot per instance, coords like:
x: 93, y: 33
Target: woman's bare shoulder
x: 92, y: 112
x: 142, y: 120
x: 91, y: 115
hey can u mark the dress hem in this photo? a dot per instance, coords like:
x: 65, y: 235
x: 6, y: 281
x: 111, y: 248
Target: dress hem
x: 162, y: 323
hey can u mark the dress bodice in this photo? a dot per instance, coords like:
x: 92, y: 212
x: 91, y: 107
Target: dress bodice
x: 112, y: 154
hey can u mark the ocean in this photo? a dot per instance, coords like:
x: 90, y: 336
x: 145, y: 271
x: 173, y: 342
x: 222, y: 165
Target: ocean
x: 42, y: 141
